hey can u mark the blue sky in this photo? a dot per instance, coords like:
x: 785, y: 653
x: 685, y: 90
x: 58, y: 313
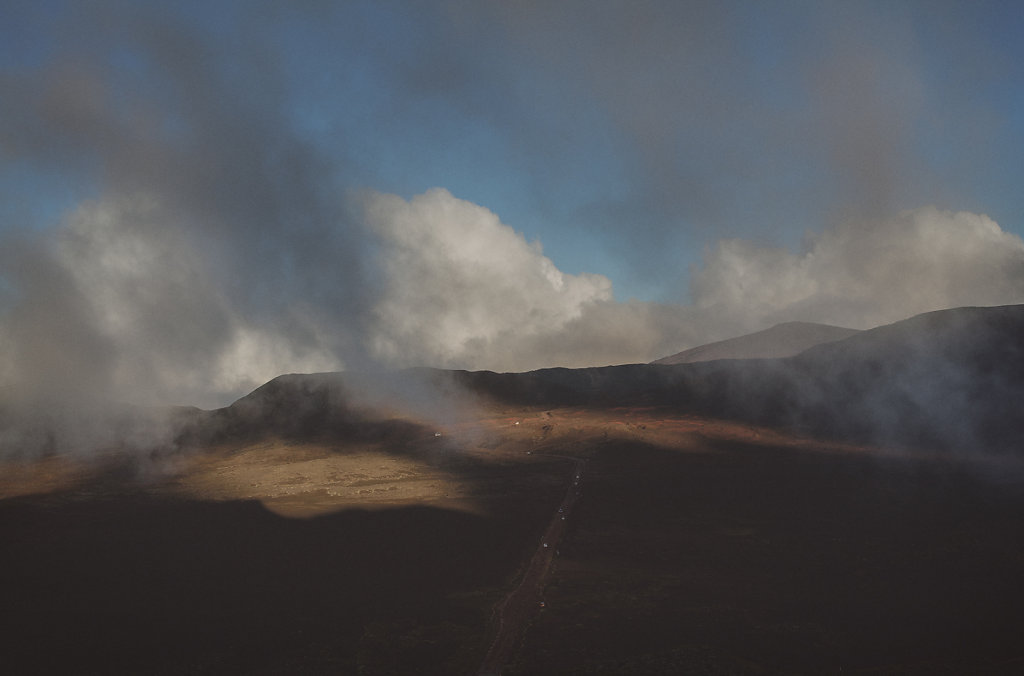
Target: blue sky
x: 629, y: 140
x: 538, y: 113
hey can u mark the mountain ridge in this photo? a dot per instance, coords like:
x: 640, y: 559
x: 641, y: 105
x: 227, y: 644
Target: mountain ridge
x: 944, y: 379
x: 782, y: 340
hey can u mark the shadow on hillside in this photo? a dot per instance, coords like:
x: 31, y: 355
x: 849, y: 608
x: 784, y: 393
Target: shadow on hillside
x: 137, y: 584
x: 754, y: 558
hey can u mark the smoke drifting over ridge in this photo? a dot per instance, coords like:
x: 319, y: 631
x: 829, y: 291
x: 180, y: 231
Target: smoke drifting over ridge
x: 212, y: 242
x: 108, y: 308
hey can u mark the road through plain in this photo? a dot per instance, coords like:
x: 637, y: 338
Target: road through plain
x: 513, y: 614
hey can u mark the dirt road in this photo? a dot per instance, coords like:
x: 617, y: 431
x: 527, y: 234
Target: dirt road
x: 514, y: 613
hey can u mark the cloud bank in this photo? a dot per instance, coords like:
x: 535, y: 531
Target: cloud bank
x: 119, y: 303
x: 213, y: 224
x: 459, y: 288
x: 865, y: 273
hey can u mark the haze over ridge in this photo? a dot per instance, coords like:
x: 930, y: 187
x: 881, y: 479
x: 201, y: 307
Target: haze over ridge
x: 782, y: 340
x: 948, y: 379
x: 196, y: 202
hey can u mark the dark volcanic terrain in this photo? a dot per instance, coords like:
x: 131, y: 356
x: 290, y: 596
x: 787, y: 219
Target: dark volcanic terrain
x: 857, y: 509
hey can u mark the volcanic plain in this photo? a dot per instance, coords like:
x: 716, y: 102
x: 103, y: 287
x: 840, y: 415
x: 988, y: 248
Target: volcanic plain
x: 536, y: 532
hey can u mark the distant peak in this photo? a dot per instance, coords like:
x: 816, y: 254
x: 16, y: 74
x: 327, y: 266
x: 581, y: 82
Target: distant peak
x: 782, y: 340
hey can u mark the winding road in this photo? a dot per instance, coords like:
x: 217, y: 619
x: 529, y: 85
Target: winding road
x: 514, y: 613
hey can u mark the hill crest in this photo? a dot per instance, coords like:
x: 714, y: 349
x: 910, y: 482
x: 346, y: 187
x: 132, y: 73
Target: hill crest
x: 782, y: 340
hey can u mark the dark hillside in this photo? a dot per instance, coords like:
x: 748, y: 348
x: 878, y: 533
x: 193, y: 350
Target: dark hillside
x: 947, y: 379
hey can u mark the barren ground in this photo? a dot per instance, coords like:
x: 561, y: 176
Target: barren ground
x: 695, y: 546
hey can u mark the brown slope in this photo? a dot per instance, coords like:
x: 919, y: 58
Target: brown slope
x: 782, y: 340
x: 951, y: 379
x: 948, y: 379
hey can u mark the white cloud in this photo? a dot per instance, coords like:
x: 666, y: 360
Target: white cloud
x: 119, y: 303
x: 863, y: 274
x: 462, y: 289
x: 123, y: 302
